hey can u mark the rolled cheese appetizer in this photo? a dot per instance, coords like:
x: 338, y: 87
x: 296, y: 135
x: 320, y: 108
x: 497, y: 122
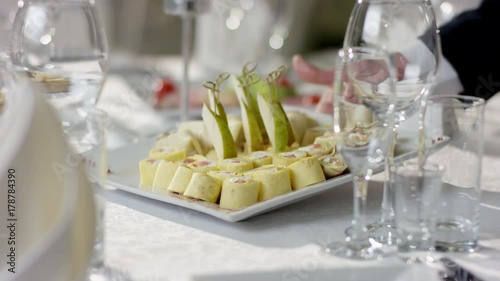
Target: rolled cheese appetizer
x: 318, y: 149
x: 261, y: 158
x: 182, y: 141
x: 332, y: 165
x: 181, y: 180
x: 163, y: 177
x: 203, y: 166
x: 147, y: 170
x: 167, y: 153
x: 358, y: 137
x: 235, y: 165
x: 305, y: 172
x: 239, y: 192
x: 311, y: 134
x: 222, y: 175
x: 212, y: 155
x: 287, y: 158
x: 203, y: 187
x: 274, y: 181
x: 328, y: 139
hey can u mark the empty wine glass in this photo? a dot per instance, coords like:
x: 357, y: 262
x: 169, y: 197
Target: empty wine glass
x: 363, y: 118
x: 407, y: 30
x: 62, y: 47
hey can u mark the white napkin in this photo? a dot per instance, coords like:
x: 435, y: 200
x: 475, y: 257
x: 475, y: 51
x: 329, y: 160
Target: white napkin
x: 128, y: 110
x: 53, y: 209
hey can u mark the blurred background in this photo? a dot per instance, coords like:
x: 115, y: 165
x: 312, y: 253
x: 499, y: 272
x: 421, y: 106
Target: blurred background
x: 145, y: 38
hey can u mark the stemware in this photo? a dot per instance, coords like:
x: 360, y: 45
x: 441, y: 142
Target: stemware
x: 89, y: 143
x: 406, y: 29
x: 62, y: 47
x: 362, y: 124
x: 187, y: 9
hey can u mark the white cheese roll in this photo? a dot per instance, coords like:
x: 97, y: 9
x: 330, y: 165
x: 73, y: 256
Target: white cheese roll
x: 222, y: 175
x: 203, y: 187
x: 274, y: 181
x: 332, y: 165
x: 147, y: 170
x: 261, y: 158
x: 286, y: 158
x: 163, y: 177
x: 235, y: 165
x: 203, y: 166
x: 181, y: 180
x: 239, y: 192
x: 318, y: 149
x: 167, y: 153
x: 305, y: 172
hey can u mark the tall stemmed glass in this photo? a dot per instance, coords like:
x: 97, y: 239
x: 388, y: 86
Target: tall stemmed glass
x: 363, y: 118
x: 62, y: 47
x: 407, y: 30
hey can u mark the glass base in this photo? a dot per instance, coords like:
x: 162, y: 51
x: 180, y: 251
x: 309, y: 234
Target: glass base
x: 105, y: 273
x: 359, y: 250
x: 429, y: 258
x: 460, y: 247
x: 383, y: 232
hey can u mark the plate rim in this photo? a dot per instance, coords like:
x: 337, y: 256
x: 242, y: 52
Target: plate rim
x: 245, y: 213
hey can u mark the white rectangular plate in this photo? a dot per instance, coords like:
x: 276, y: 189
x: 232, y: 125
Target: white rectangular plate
x: 124, y: 166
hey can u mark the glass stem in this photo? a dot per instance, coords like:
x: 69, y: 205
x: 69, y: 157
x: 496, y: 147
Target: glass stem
x: 387, y: 208
x: 360, y: 185
x: 187, y: 37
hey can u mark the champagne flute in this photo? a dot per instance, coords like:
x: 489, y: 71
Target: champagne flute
x: 407, y: 30
x: 363, y: 118
x: 62, y: 47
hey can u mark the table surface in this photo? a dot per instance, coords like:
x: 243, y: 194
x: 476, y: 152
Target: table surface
x: 152, y: 240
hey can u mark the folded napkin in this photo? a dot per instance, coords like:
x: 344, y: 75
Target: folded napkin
x: 51, y: 217
x: 128, y: 111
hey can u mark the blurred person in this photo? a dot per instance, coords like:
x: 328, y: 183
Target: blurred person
x: 471, y: 63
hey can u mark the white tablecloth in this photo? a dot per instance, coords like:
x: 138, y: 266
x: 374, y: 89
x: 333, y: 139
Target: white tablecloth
x: 156, y: 241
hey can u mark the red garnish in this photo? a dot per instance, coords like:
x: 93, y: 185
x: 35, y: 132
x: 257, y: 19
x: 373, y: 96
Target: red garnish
x: 167, y: 88
x: 311, y: 100
x: 284, y: 82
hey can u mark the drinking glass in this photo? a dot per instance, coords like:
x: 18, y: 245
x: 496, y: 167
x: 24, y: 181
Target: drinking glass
x: 417, y: 191
x: 62, y: 47
x: 89, y: 142
x: 363, y: 118
x: 406, y: 29
x: 454, y: 138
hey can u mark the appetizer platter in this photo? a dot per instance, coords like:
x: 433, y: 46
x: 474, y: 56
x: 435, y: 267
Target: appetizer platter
x: 237, y: 166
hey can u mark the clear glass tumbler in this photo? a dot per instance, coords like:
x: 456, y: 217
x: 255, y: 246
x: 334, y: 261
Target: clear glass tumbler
x: 416, y: 194
x: 454, y: 139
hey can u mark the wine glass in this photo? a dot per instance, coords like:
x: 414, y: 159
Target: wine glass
x: 363, y: 117
x: 88, y: 143
x: 187, y: 9
x: 62, y: 47
x: 407, y: 30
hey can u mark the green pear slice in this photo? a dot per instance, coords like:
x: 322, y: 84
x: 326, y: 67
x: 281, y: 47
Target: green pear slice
x: 215, y: 105
x: 291, y: 136
x: 251, y: 129
x: 219, y: 133
x: 275, y: 123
